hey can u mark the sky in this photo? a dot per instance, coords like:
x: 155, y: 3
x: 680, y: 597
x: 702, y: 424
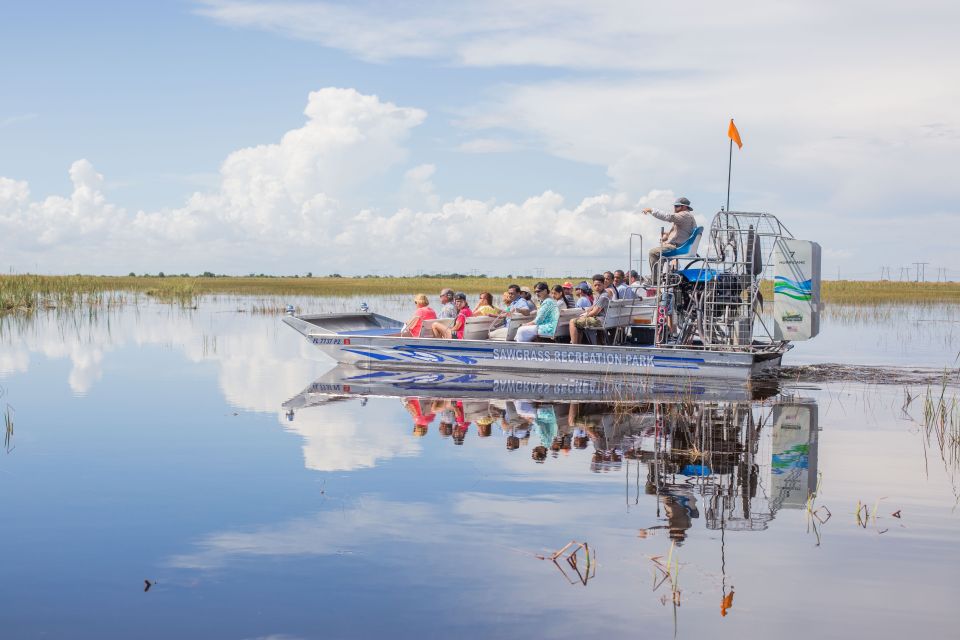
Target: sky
x: 489, y: 137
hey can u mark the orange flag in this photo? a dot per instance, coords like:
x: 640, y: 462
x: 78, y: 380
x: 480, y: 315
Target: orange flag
x: 734, y: 135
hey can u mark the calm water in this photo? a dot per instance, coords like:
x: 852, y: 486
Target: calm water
x: 175, y: 446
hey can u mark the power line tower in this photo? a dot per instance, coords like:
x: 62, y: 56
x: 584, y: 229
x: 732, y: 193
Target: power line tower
x: 885, y: 273
x: 921, y: 271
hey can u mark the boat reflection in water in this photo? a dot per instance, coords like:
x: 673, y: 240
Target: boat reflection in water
x: 737, y: 462
x: 731, y: 454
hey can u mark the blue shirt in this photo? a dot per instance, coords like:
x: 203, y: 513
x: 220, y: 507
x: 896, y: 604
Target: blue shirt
x: 520, y: 303
x: 547, y: 317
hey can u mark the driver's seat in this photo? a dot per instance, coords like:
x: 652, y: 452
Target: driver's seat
x: 688, y: 248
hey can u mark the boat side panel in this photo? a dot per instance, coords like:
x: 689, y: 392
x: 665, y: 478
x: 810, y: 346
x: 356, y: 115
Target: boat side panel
x: 381, y: 352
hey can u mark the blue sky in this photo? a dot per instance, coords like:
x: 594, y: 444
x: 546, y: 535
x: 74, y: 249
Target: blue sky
x: 558, y: 121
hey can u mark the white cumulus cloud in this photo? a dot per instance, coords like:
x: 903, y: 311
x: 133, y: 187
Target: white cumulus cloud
x: 292, y: 203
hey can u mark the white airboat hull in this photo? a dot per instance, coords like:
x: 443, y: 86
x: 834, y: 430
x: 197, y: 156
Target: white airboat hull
x: 357, y: 339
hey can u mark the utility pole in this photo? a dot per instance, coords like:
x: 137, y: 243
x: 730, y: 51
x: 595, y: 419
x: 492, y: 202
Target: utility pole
x: 885, y: 273
x: 921, y: 271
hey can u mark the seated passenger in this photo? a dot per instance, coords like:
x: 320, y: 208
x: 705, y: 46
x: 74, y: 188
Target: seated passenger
x: 423, y: 312
x: 610, y: 285
x: 527, y: 294
x: 620, y: 283
x: 456, y: 331
x: 545, y: 324
x: 568, y: 298
x: 584, y: 299
x: 516, y: 304
x: 593, y: 317
x: 447, y: 308
x: 485, y: 307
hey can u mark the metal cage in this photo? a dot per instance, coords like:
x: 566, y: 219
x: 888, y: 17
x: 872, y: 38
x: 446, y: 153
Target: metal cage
x: 714, y: 301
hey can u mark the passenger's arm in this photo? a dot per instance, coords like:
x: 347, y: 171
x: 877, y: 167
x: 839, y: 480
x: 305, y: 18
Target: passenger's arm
x: 406, y: 327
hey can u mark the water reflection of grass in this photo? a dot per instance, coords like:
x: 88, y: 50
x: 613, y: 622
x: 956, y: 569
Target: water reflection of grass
x: 7, y: 426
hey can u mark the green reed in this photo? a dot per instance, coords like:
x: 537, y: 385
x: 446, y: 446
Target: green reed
x: 28, y: 292
x: 941, y: 420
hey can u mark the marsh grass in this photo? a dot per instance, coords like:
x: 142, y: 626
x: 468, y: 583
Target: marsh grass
x: 30, y: 292
x: 941, y: 421
x: 26, y: 293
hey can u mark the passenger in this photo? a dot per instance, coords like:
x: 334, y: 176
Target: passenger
x: 456, y: 331
x: 447, y: 309
x: 485, y: 307
x: 683, y: 227
x: 423, y: 312
x: 527, y: 295
x: 568, y: 298
x: 535, y: 299
x: 545, y: 324
x: 623, y: 287
x: 610, y: 286
x: 634, y: 286
x: 516, y: 304
x: 593, y: 317
x: 584, y: 299
x: 619, y: 282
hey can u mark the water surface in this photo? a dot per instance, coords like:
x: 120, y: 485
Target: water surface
x: 151, y: 443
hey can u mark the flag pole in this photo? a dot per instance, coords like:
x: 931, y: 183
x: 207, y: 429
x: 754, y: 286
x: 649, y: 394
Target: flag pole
x: 729, y: 168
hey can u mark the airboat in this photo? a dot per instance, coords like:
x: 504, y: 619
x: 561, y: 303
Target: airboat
x: 706, y: 316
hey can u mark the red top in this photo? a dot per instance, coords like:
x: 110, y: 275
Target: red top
x: 462, y: 320
x: 419, y: 417
x: 422, y: 313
